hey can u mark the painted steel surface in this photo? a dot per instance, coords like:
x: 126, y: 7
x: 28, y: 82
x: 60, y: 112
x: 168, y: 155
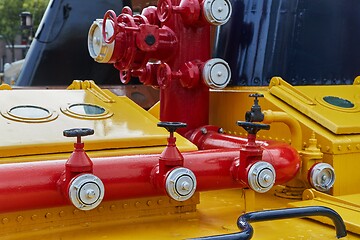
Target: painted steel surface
x: 132, y: 176
x: 302, y: 41
x: 112, y: 131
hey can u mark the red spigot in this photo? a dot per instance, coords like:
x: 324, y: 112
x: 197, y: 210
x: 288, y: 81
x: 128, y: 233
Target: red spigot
x: 78, y: 162
x: 171, y: 156
x: 170, y: 175
x: 82, y: 188
x: 251, y: 151
x: 256, y: 173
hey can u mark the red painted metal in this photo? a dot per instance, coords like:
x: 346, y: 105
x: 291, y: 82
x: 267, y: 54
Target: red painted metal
x: 130, y: 176
x: 210, y: 137
x: 78, y: 162
x: 176, y: 34
x: 282, y: 156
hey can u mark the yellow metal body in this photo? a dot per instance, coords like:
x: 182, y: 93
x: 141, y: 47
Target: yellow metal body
x: 123, y: 128
x: 335, y: 128
x: 318, y: 132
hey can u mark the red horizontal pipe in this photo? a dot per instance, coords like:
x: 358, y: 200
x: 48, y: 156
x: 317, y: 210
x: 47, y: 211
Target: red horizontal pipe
x: 208, y: 137
x: 282, y: 156
x: 36, y: 184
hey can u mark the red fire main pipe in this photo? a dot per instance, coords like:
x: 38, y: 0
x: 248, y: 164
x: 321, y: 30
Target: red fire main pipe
x: 209, y: 137
x: 36, y: 184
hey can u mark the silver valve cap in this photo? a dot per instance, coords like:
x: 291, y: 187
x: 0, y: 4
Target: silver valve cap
x: 216, y: 73
x: 322, y: 177
x: 261, y: 176
x: 99, y: 50
x: 217, y: 12
x: 180, y: 184
x: 86, y: 191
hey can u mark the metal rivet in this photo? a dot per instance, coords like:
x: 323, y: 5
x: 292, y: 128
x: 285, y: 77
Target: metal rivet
x: 204, y: 131
x: 137, y: 204
x: 349, y: 147
x: 357, y: 146
x: 113, y: 207
x: 62, y: 213
x: 125, y: 205
x: 19, y: 219
x: 34, y: 217
x: 327, y: 148
x: 75, y: 212
x: 160, y: 201
x: 5, y: 220
x: 149, y: 203
x: 339, y: 148
x: 48, y: 215
x: 100, y: 209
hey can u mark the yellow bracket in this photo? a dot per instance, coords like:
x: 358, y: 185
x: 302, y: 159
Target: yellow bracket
x: 285, y: 91
x: 91, y: 87
x: 5, y: 86
x: 357, y: 81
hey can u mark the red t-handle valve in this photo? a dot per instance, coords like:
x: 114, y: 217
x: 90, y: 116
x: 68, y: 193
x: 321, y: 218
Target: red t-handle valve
x: 78, y: 162
x: 171, y: 155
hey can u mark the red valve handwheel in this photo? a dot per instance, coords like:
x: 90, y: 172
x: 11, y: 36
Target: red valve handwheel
x: 111, y: 15
x: 127, y: 10
x: 125, y: 76
x: 164, y: 10
x: 164, y: 75
x: 140, y: 19
x: 127, y: 22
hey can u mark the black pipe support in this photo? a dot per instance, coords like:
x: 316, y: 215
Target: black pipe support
x: 244, y: 221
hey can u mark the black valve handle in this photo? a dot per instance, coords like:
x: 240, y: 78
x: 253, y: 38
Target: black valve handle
x: 171, y: 126
x: 256, y: 95
x: 253, y: 128
x: 78, y: 132
x: 255, y: 115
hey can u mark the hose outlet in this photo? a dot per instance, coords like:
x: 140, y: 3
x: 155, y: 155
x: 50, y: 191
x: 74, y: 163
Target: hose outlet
x: 322, y: 177
x: 86, y: 191
x: 217, y: 12
x: 99, y: 50
x: 180, y: 184
x: 261, y: 177
x: 216, y: 73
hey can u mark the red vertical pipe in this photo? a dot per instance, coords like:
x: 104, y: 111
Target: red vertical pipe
x: 177, y: 103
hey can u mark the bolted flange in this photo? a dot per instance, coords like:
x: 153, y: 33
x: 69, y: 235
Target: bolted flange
x: 322, y: 176
x: 261, y: 176
x: 86, y: 191
x: 180, y: 184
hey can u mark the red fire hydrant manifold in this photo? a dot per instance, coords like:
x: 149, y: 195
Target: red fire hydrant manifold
x: 167, y: 46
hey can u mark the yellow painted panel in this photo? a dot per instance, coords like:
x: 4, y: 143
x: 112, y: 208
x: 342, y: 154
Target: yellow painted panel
x: 127, y: 126
x: 336, y: 107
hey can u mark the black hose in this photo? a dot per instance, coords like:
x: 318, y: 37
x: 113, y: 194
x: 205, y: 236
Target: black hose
x: 247, y: 230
